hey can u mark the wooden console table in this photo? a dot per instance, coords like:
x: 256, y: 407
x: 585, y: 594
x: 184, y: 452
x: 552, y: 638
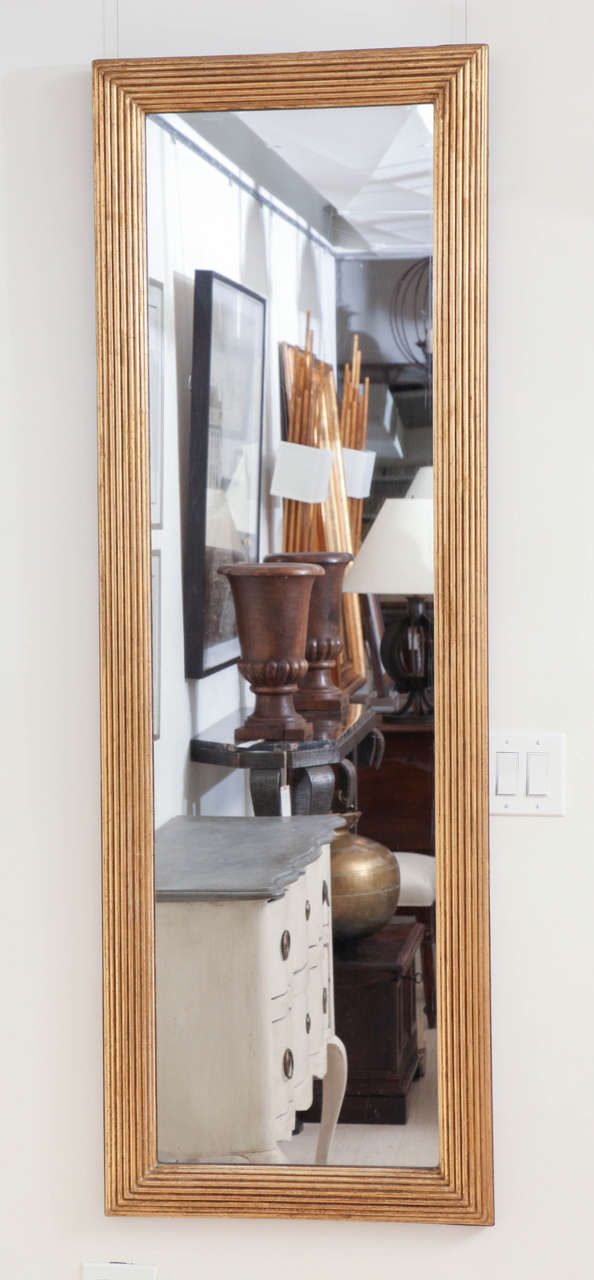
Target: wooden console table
x: 306, y: 767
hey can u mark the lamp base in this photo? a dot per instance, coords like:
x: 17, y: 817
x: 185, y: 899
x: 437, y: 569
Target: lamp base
x: 416, y: 705
x: 407, y: 654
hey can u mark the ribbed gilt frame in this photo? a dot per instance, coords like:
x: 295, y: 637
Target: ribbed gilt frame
x: 454, y: 79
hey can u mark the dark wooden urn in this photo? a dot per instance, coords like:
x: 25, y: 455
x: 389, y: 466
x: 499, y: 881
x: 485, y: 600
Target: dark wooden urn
x: 318, y: 693
x: 272, y: 606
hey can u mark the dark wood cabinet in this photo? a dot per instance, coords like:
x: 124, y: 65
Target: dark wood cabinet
x: 375, y: 1007
x: 376, y: 1018
x: 397, y: 801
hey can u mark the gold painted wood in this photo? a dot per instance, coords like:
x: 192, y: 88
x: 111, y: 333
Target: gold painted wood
x: 454, y: 79
x: 330, y: 529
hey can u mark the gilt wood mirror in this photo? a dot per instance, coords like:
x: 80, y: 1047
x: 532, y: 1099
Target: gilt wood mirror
x: 129, y: 98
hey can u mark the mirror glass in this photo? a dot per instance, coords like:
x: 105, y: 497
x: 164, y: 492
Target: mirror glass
x: 290, y: 351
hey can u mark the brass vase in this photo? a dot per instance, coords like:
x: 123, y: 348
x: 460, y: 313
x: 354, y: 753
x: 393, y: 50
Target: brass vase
x: 272, y: 604
x: 365, y: 886
x: 318, y: 694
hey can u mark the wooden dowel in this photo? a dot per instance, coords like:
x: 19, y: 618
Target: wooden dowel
x: 309, y: 526
x: 313, y: 407
x: 306, y: 397
x: 365, y: 414
x: 356, y: 361
x: 353, y: 417
x: 358, y: 423
x: 346, y: 382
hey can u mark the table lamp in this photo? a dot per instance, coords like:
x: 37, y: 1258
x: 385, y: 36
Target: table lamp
x: 422, y: 485
x: 396, y: 559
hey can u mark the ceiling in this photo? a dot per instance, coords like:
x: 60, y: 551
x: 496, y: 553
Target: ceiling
x: 374, y: 165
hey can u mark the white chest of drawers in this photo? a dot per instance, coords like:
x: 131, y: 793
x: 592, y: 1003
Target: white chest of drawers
x: 245, y: 1009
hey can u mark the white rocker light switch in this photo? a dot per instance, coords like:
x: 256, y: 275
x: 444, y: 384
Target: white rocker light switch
x: 537, y: 773
x: 507, y: 768
x: 527, y: 774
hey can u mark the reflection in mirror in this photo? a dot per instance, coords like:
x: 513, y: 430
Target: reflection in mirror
x: 290, y: 348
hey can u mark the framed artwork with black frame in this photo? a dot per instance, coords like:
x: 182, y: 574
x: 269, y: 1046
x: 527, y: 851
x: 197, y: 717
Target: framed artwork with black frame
x: 224, y: 469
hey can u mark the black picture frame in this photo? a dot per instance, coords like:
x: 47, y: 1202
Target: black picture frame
x: 224, y: 463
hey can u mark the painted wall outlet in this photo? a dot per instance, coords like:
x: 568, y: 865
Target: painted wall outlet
x: 118, y: 1271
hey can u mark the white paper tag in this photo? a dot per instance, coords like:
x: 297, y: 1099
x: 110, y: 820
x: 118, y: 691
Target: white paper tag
x: 285, y: 801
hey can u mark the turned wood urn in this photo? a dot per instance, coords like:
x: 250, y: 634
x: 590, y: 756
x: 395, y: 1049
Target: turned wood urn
x: 365, y: 886
x: 318, y: 693
x: 272, y: 607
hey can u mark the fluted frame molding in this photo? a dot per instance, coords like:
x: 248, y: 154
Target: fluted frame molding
x: 454, y: 80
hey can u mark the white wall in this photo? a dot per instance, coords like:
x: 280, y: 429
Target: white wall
x: 197, y: 218
x: 542, y: 456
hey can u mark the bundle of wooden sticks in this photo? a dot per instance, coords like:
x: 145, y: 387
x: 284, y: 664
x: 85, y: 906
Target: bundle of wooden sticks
x: 312, y: 418
x: 303, y: 377
x: 353, y: 427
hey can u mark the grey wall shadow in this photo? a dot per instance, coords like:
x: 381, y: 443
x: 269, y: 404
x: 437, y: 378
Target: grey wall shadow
x: 254, y: 259
x: 199, y: 779
x: 346, y: 328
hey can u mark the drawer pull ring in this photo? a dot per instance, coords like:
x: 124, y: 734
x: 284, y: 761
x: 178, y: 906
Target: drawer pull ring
x: 307, y: 1024
x: 288, y: 1064
x: 325, y: 894
x: 307, y: 909
x: 285, y: 944
x: 325, y: 1000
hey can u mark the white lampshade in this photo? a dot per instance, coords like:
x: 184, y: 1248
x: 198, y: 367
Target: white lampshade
x: 422, y: 485
x: 358, y: 472
x: 301, y: 473
x: 397, y: 556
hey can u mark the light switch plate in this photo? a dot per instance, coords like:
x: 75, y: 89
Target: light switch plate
x: 118, y: 1271
x: 549, y: 745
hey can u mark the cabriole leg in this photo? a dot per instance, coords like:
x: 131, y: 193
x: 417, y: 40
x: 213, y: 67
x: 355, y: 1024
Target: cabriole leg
x: 333, y: 1090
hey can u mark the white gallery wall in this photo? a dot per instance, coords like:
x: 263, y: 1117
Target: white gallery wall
x: 197, y: 218
x: 542, y: 622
